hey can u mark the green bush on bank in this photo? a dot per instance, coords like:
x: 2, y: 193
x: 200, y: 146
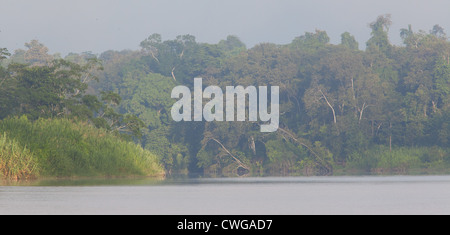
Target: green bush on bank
x: 63, y: 148
x: 381, y: 159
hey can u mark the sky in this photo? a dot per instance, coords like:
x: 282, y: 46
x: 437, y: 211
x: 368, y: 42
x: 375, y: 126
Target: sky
x: 66, y: 26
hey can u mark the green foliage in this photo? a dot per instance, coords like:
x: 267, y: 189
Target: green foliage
x: 173, y: 156
x: 284, y: 156
x: 16, y: 161
x: 336, y: 101
x: 382, y: 109
x: 4, y: 53
x: 311, y: 40
x: 148, y: 97
x: 380, y: 159
x: 232, y: 46
x: 379, y: 42
x: 59, y: 90
x: 183, y: 58
x: 349, y: 41
x: 61, y: 147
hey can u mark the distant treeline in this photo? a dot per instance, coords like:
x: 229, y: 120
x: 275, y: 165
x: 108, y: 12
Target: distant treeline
x: 385, y: 109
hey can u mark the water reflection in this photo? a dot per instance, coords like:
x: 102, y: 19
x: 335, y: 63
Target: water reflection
x: 184, y: 180
x: 85, y: 182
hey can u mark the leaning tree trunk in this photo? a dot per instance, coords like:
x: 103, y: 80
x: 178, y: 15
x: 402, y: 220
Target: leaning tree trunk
x: 240, y: 163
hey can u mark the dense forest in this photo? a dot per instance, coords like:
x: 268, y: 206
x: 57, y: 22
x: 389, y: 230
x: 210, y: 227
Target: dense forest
x: 343, y: 110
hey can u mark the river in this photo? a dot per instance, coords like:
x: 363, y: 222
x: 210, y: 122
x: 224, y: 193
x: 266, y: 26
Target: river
x: 232, y: 196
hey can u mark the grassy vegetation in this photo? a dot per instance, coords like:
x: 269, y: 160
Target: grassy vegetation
x: 16, y: 162
x: 401, y: 160
x: 65, y: 148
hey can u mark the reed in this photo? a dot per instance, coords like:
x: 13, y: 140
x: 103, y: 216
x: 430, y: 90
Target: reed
x: 66, y: 148
x: 16, y: 162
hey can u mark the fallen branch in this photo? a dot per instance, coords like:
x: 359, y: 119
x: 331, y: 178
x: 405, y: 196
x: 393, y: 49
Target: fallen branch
x: 320, y: 160
x: 173, y: 75
x: 226, y: 150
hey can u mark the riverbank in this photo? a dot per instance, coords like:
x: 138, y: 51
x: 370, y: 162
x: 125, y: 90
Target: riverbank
x: 62, y: 148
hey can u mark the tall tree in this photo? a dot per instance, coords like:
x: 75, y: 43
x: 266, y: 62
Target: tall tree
x: 37, y: 54
x: 379, y: 40
x: 349, y: 41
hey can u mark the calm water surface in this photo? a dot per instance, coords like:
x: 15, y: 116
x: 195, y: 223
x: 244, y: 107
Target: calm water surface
x: 272, y: 195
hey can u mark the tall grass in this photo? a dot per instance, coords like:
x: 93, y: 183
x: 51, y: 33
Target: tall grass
x: 16, y: 162
x: 63, y: 147
x: 381, y: 159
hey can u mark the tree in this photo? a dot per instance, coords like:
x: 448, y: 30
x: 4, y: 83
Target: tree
x: 182, y: 59
x: 5, y: 87
x: 311, y: 41
x: 37, y: 54
x: 232, y: 45
x: 46, y: 91
x: 438, y: 31
x: 379, y: 40
x: 151, y: 45
x: 411, y: 39
x: 3, y: 74
x: 349, y: 41
x: 4, y: 53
